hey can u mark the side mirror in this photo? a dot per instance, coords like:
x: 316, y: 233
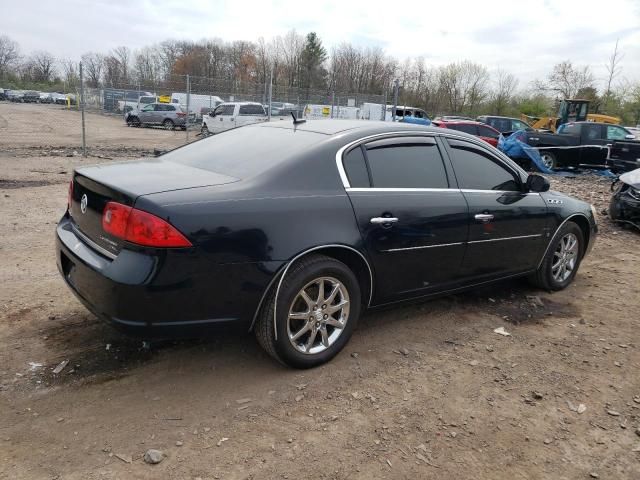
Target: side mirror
x: 537, y: 183
x: 630, y: 137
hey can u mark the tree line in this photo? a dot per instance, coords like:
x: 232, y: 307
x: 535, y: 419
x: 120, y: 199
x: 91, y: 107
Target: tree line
x: 303, y: 64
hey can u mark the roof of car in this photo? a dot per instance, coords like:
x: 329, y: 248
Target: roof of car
x: 366, y: 127
x: 499, y: 116
x: 240, y: 103
x: 465, y: 122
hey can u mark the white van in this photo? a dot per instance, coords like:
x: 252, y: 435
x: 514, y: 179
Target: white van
x: 230, y: 115
x: 200, y: 105
x: 317, y: 112
x: 373, y: 111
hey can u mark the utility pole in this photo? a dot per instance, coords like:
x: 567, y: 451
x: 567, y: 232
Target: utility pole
x: 396, y: 88
x: 188, y: 102
x: 84, y: 139
x: 270, y: 92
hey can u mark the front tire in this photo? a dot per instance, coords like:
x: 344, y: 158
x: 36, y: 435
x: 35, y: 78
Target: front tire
x: 168, y: 124
x: 318, y: 307
x: 561, y: 262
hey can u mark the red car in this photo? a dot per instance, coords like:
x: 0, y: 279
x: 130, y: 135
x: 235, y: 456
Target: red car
x: 485, y: 132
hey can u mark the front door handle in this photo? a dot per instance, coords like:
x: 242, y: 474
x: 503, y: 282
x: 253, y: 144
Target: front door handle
x: 484, y: 217
x: 383, y: 220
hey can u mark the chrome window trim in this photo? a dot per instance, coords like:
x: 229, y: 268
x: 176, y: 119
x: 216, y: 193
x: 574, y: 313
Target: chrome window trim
x: 378, y: 189
x: 301, y: 254
x: 391, y: 250
x: 93, y: 244
x: 340, y: 152
x: 546, y: 250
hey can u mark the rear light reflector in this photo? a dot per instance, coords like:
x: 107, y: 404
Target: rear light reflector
x: 181, y: 114
x: 141, y: 228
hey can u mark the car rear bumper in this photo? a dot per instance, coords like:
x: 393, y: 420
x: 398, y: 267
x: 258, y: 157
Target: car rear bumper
x: 160, y: 294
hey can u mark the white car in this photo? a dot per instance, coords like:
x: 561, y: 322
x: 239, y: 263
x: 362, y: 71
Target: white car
x: 230, y: 115
x: 635, y: 131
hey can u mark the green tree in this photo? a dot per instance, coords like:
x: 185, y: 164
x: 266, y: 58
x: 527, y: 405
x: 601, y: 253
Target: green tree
x: 313, y: 73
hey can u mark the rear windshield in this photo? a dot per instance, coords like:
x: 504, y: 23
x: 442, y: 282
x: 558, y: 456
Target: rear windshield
x: 244, y: 152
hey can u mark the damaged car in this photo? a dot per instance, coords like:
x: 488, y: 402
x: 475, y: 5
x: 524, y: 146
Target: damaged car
x: 625, y: 202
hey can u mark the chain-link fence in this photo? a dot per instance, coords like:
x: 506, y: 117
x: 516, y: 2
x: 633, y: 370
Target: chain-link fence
x: 99, y: 119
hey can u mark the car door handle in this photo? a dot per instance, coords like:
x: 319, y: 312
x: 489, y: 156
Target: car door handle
x: 383, y: 220
x: 484, y: 217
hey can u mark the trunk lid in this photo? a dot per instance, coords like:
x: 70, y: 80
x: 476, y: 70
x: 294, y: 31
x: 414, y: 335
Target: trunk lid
x: 94, y: 187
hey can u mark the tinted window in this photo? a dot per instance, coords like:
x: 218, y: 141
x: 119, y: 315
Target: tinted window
x: 244, y: 152
x: 569, y: 129
x: 225, y: 110
x: 251, y: 110
x: 478, y: 170
x: 518, y: 125
x: 616, y: 133
x: 356, y: 168
x: 406, y: 165
x: 591, y: 131
x: 500, y: 124
x: 464, y: 127
x: 487, y: 132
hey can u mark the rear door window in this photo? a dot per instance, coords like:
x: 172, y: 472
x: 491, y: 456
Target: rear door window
x: 251, y: 110
x: 476, y: 169
x: 356, y: 168
x: 487, y: 132
x: 406, y: 163
x: 464, y: 127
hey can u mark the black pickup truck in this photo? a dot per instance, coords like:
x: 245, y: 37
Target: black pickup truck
x: 624, y: 156
x: 578, y: 144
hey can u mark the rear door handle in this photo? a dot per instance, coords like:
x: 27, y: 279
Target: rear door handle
x: 484, y: 217
x: 383, y: 220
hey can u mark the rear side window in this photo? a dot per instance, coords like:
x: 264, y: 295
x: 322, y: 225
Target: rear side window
x: 464, y: 127
x: 591, y: 131
x: 356, y: 168
x: 406, y: 164
x: 477, y: 170
x: 500, y: 124
x: 251, y: 110
x: 569, y: 129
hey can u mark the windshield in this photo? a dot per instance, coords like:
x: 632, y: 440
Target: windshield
x: 244, y: 152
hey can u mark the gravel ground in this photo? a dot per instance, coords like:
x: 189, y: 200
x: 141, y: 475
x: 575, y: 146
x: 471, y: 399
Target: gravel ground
x: 425, y: 390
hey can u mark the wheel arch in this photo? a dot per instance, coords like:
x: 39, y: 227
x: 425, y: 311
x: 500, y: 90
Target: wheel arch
x: 579, y: 219
x: 351, y: 257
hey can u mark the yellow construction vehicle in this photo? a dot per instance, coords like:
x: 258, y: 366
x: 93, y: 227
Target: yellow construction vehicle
x: 573, y: 110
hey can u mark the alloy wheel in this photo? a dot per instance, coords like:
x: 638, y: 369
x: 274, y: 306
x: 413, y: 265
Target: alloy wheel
x: 565, y: 258
x: 547, y: 160
x: 318, y: 315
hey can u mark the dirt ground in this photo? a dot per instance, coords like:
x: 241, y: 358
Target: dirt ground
x: 425, y: 390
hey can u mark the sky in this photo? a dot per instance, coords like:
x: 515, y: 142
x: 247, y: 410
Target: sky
x: 526, y: 37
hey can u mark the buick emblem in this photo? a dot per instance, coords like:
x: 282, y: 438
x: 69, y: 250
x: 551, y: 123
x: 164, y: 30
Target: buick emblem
x: 83, y: 203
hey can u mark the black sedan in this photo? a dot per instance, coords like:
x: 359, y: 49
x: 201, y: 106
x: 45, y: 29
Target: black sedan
x: 293, y: 230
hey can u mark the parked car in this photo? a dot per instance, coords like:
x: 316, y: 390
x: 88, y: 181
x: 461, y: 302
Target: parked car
x: 3, y: 95
x: 31, y: 96
x: 15, y: 96
x: 505, y: 125
x: 230, y: 115
x: 291, y: 230
x: 168, y: 115
x: 479, y: 129
x: 624, y: 207
x: 45, y: 97
x: 624, y: 155
x: 577, y: 144
x: 59, y: 98
x: 635, y: 131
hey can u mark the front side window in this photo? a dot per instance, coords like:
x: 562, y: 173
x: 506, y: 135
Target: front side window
x: 148, y: 108
x: 518, y: 125
x: 616, y: 133
x: 224, y: 110
x: 500, y: 124
x: 406, y: 163
x: 476, y: 169
x: 487, y: 132
x: 591, y: 131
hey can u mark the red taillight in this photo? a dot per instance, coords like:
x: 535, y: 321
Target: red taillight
x: 181, y: 114
x: 140, y: 227
x: 70, y: 195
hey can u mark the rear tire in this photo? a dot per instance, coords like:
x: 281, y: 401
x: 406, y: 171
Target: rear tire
x: 168, y: 124
x: 299, y: 318
x: 562, y: 260
x: 549, y: 159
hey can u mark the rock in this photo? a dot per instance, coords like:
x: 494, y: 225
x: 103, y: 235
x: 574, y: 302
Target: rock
x: 537, y: 395
x: 404, y: 351
x: 153, y: 456
x: 221, y: 441
x: 289, y: 440
x: 613, y: 413
x: 473, y: 363
x: 594, y: 475
x: 179, y: 443
x: 453, y: 434
x: 355, y: 395
x: 547, y: 441
x: 243, y: 400
x: 354, y: 354
x: 535, y: 300
x: 581, y: 408
x: 638, y: 431
x: 299, y: 397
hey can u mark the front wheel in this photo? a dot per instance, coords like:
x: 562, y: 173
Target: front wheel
x: 204, y: 131
x: 317, y: 309
x: 168, y: 124
x: 560, y: 264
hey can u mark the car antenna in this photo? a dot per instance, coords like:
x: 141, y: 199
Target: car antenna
x: 295, y: 120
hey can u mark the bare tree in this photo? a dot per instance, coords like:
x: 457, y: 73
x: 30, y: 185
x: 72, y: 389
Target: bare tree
x: 613, y: 69
x: 93, y: 64
x: 123, y: 55
x: 43, y: 66
x: 506, y: 84
x: 567, y: 80
x: 70, y: 72
x: 9, y: 54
